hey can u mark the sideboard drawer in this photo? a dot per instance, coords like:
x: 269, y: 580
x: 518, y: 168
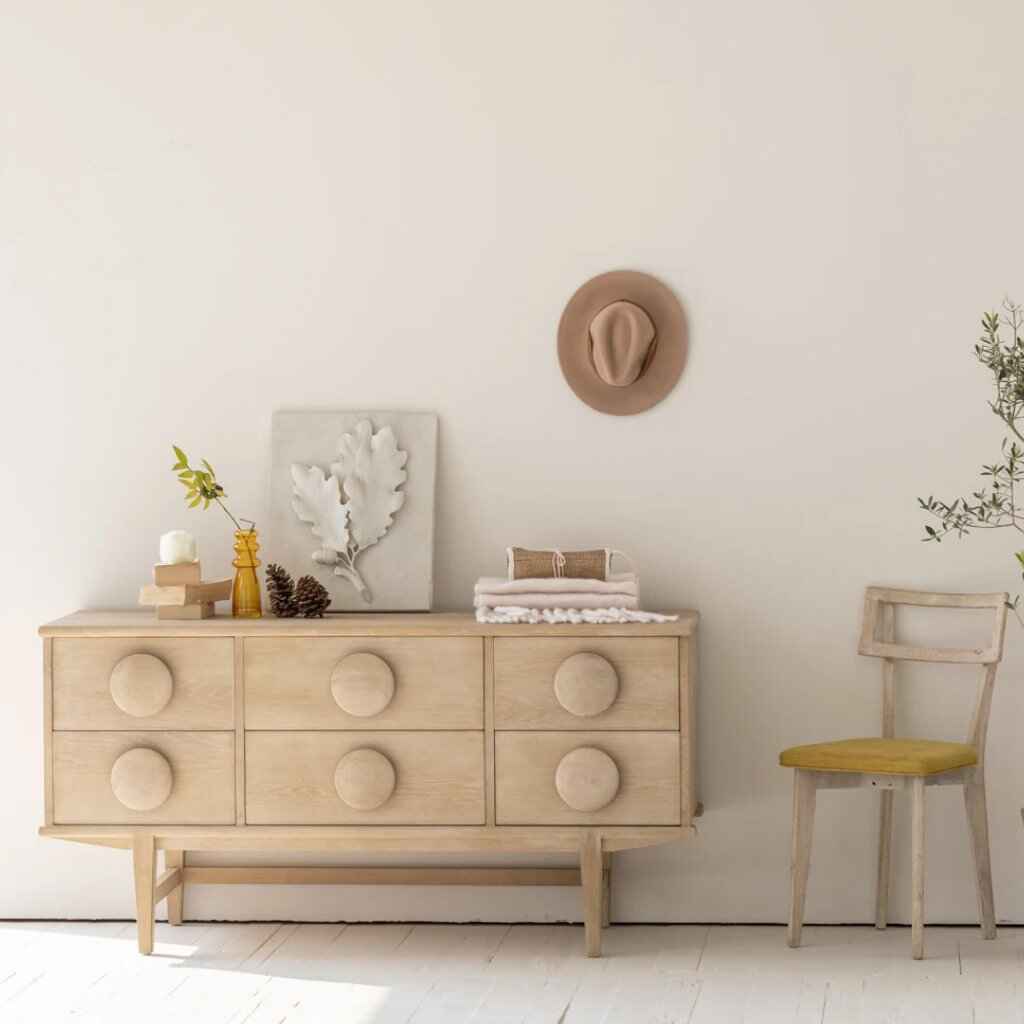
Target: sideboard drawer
x: 356, y: 778
x: 137, y: 778
x: 595, y: 778
x: 143, y: 683
x: 364, y: 683
x: 586, y: 683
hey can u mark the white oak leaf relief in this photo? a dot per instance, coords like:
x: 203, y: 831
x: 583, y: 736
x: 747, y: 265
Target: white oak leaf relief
x: 353, y: 508
x: 371, y: 469
x: 316, y: 499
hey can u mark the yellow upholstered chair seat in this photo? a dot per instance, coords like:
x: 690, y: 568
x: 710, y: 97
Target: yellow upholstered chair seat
x: 881, y: 756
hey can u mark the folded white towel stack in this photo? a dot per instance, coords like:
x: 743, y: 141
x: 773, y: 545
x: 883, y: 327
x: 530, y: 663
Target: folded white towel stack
x: 619, y: 590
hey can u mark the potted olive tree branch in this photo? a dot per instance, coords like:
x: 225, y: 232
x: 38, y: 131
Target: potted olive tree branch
x: 998, y: 505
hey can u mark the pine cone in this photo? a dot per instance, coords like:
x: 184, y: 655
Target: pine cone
x: 281, y: 591
x: 311, y: 598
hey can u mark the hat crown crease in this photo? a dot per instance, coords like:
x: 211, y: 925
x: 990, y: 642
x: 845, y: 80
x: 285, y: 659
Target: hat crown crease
x: 621, y: 339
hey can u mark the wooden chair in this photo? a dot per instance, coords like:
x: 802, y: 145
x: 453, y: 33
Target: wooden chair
x: 887, y: 763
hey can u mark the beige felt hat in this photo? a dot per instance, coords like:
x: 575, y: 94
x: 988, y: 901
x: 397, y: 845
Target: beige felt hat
x: 622, y: 342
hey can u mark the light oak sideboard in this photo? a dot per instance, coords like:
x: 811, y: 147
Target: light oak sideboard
x: 368, y: 733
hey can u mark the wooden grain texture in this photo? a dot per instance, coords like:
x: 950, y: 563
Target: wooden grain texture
x: 48, y: 731
x: 170, y: 880
x: 976, y: 807
x: 489, y: 729
x: 202, y: 764
x: 877, y: 598
x: 176, y: 574
x: 201, y: 674
x: 186, y: 613
x: 155, y: 595
x: 438, y: 683
x: 364, y: 779
x: 691, y: 806
x: 134, y: 622
x: 592, y: 882
x: 804, y: 793
x: 266, y: 972
x: 142, y: 779
x: 176, y: 899
x: 526, y: 764
x: 144, y: 870
x: 439, y: 778
x: 883, y: 877
x: 917, y: 863
x: 878, y: 639
x: 323, y: 875
x: 371, y: 839
x: 524, y: 683
x: 238, y: 673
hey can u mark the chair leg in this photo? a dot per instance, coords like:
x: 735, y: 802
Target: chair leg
x: 977, y: 822
x: 884, y: 859
x: 804, y: 793
x: 144, y: 869
x: 917, y: 871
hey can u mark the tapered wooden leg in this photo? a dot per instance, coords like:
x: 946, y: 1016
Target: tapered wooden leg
x: 606, y: 891
x: 977, y: 822
x: 884, y: 859
x: 175, y: 899
x: 144, y: 868
x: 592, y: 881
x: 917, y: 871
x: 804, y: 793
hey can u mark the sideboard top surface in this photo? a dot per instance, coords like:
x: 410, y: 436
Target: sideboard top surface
x: 141, y: 622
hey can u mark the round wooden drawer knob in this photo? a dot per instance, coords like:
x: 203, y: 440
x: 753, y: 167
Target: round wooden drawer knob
x: 141, y: 685
x: 587, y: 779
x: 362, y: 684
x: 364, y: 779
x: 141, y: 779
x: 586, y: 684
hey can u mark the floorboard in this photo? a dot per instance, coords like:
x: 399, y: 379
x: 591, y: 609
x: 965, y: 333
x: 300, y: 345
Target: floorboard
x: 90, y: 973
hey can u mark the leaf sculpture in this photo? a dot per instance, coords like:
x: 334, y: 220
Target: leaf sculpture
x: 316, y: 499
x: 369, y: 472
x: 370, y: 468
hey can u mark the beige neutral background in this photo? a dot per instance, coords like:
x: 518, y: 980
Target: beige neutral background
x: 211, y: 211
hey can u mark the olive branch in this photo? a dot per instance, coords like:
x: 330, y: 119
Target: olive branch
x: 995, y: 506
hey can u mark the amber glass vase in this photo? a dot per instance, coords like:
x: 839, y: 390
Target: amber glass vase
x: 245, y: 594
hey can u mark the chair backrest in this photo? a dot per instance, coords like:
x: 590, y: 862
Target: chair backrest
x: 878, y: 640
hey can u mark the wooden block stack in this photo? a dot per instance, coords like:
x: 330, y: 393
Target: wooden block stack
x: 178, y: 592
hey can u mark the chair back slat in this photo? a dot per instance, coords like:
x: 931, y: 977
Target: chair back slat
x: 874, y: 646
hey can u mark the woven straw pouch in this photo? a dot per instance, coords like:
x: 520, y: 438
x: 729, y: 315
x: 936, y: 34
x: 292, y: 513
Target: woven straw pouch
x: 526, y: 564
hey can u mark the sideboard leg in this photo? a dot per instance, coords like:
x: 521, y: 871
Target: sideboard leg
x: 176, y: 898
x: 606, y: 891
x: 592, y: 881
x: 144, y: 868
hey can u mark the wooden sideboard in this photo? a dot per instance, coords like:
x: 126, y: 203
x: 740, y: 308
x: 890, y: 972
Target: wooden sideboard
x: 368, y: 733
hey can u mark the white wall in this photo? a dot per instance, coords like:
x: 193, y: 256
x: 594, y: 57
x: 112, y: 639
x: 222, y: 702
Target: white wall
x: 210, y: 211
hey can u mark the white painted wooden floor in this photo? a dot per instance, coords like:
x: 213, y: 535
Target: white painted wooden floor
x: 358, y: 974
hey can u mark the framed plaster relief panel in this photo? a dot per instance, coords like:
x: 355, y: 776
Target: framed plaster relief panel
x: 352, y: 504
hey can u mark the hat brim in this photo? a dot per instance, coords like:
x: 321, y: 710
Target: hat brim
x: 664, y: 368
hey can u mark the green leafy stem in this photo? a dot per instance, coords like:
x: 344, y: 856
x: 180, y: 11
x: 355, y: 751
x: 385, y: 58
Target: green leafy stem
x: 998, y: 505
x: 203, y: 488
